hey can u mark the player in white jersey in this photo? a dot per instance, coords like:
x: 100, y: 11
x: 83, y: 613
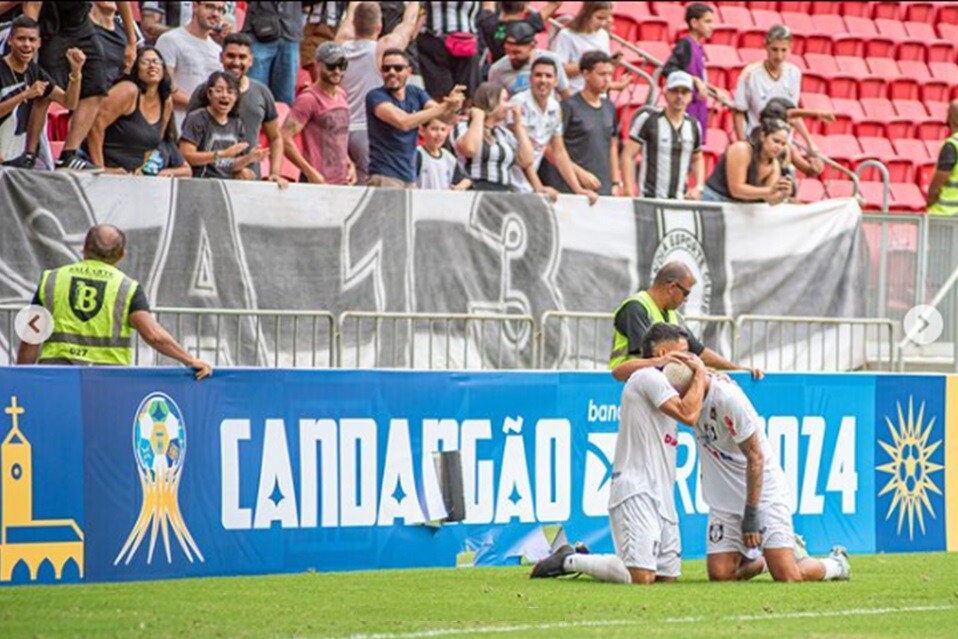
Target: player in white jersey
x: 748, y: 495
x: 642, y: 514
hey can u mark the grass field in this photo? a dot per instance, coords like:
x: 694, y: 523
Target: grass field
x: 912, y: 595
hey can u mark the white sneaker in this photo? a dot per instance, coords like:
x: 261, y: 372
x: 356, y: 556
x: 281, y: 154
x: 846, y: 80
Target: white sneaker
x: 840, y: 555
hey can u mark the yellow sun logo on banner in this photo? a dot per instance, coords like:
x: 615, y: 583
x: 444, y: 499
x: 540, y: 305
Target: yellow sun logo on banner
x: 911, y: 468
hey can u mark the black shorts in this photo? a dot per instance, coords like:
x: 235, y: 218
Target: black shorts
x: 53, y: 59
x: 441, y: 71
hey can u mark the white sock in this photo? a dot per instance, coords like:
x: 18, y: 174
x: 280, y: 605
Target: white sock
x: 602, y: 567
x: 832, y: 568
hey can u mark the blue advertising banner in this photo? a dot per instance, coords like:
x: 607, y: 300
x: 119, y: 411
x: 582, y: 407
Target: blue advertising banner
x: 129, y: 474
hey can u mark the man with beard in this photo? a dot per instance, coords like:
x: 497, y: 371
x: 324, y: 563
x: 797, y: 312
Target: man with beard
x: 321, y: 113
x: 257, y: 108
x: 515, y: 69
x: 191, y: 54
x: 394, y: 112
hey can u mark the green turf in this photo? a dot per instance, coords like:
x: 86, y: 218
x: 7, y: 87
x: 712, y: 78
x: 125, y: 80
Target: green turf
x: 499, y: 602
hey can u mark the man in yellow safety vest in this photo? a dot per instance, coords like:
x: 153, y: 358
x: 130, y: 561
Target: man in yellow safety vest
x: 95, y: 308
x: 943, y: 190
x: 633, y: 317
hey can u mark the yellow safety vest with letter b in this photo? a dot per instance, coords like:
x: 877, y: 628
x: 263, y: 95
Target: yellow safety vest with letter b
x: 947, y: 203
x: 620, y: 342
x: 89, y: 302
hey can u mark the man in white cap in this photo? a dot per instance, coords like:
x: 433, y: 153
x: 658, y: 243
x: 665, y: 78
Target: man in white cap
x: 670, y: 141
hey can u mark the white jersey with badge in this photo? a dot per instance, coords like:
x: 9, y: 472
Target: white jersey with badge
x: 645, y: 449
x: 728, y: 419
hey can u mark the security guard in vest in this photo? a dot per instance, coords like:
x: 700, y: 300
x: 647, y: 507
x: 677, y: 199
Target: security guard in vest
x: 943, y: 190
x: 95, y: 307
x: 670, y: 288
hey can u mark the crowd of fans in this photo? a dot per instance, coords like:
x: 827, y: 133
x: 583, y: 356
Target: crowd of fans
x: 438, y: 95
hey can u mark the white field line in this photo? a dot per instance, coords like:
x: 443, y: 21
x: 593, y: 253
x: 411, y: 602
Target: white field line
x: 489, y: 630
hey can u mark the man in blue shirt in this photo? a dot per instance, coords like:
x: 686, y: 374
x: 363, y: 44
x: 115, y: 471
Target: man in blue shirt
x: 394, y: 112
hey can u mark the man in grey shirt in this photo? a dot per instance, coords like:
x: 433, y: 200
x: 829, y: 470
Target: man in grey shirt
x: 257, y: 108
x: 590, y: 128
x: 359, y: 34
x: 513, y: 70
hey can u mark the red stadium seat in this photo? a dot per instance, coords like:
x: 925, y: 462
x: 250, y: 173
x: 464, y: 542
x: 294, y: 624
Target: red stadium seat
x: 766, y: 18
x: 906, y: 196
x: 748, y: 56
x: 763, y: 6
x: 886, y: 10
x: 656, y: 48
x: 856, y: 9
x: 912, y: 109
x: 821, y: 37
x: 674, y: 12
x: 56, y: 148
x: 721, y: 60
x: 933, y: 147
x: 655, y: 29
x: 842, y: 148
x: 921, y: 11
x: 931, y: 130
x: 935, y: 47
x: 948, y: 13
x: 723, y: 34
x: 739, y: 17
x: 914, y: 150
x: 924, y: 173
x: 625, y: 26
x: 848, y: 113
x: 819, y: 102
x: 753, y: 38
x: 871, y: 193
x: 58, y: 122
x: 830, y: 8
x: 810, y: 190
x: 635, y: 10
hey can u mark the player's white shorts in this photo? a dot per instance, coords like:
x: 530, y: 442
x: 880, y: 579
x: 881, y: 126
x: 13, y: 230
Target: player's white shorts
x: 725, y: 529
x: 643, y: 539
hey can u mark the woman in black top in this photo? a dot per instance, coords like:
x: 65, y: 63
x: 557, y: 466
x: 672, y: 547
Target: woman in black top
x: 750, y: 171
x: 213, y: 139
x: 130, y: 122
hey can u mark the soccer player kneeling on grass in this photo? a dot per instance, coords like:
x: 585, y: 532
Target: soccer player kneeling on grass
x: 748, y: 496
x: 642, y: 513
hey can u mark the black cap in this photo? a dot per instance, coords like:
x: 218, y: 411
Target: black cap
x: 520, y: 33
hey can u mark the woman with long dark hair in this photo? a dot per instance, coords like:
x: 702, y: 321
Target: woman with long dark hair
x: 213, y: 140
x: 131, y: 121
x: 750, y: 171
x: 493, y: 140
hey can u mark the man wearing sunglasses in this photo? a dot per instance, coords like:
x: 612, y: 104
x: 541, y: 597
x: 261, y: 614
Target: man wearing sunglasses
x: 393, y: 114
x: 321, y: 113
x: 257, y: 107
x: 670, y: 288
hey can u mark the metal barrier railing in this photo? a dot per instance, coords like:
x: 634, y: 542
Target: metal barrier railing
x: 436, y: 341
x: 885, y: 179
x: 575, y: 330
x: 828, y: 344
x: 562, y: 340
x: 897, y: 263
x: 243, y: 337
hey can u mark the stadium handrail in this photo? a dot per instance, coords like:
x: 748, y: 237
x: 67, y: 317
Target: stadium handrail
x: 885, y: 180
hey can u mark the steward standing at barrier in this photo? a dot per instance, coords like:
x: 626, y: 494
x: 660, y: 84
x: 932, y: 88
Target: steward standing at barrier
x: 633, y: 317
x: 943, y: 190
x: 95, y: 307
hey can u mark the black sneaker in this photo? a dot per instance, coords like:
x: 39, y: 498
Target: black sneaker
x: 553, y: 565
x: 23, y: 161
x: 581, y: 549
x: 75, y: 162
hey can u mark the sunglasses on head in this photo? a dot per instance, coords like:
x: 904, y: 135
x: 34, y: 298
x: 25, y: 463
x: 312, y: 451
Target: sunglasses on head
x: 341, y: 65
x: 386, y: 68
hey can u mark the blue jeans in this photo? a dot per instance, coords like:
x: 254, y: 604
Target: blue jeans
x: 276, y: 64
x: 710, y: 195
